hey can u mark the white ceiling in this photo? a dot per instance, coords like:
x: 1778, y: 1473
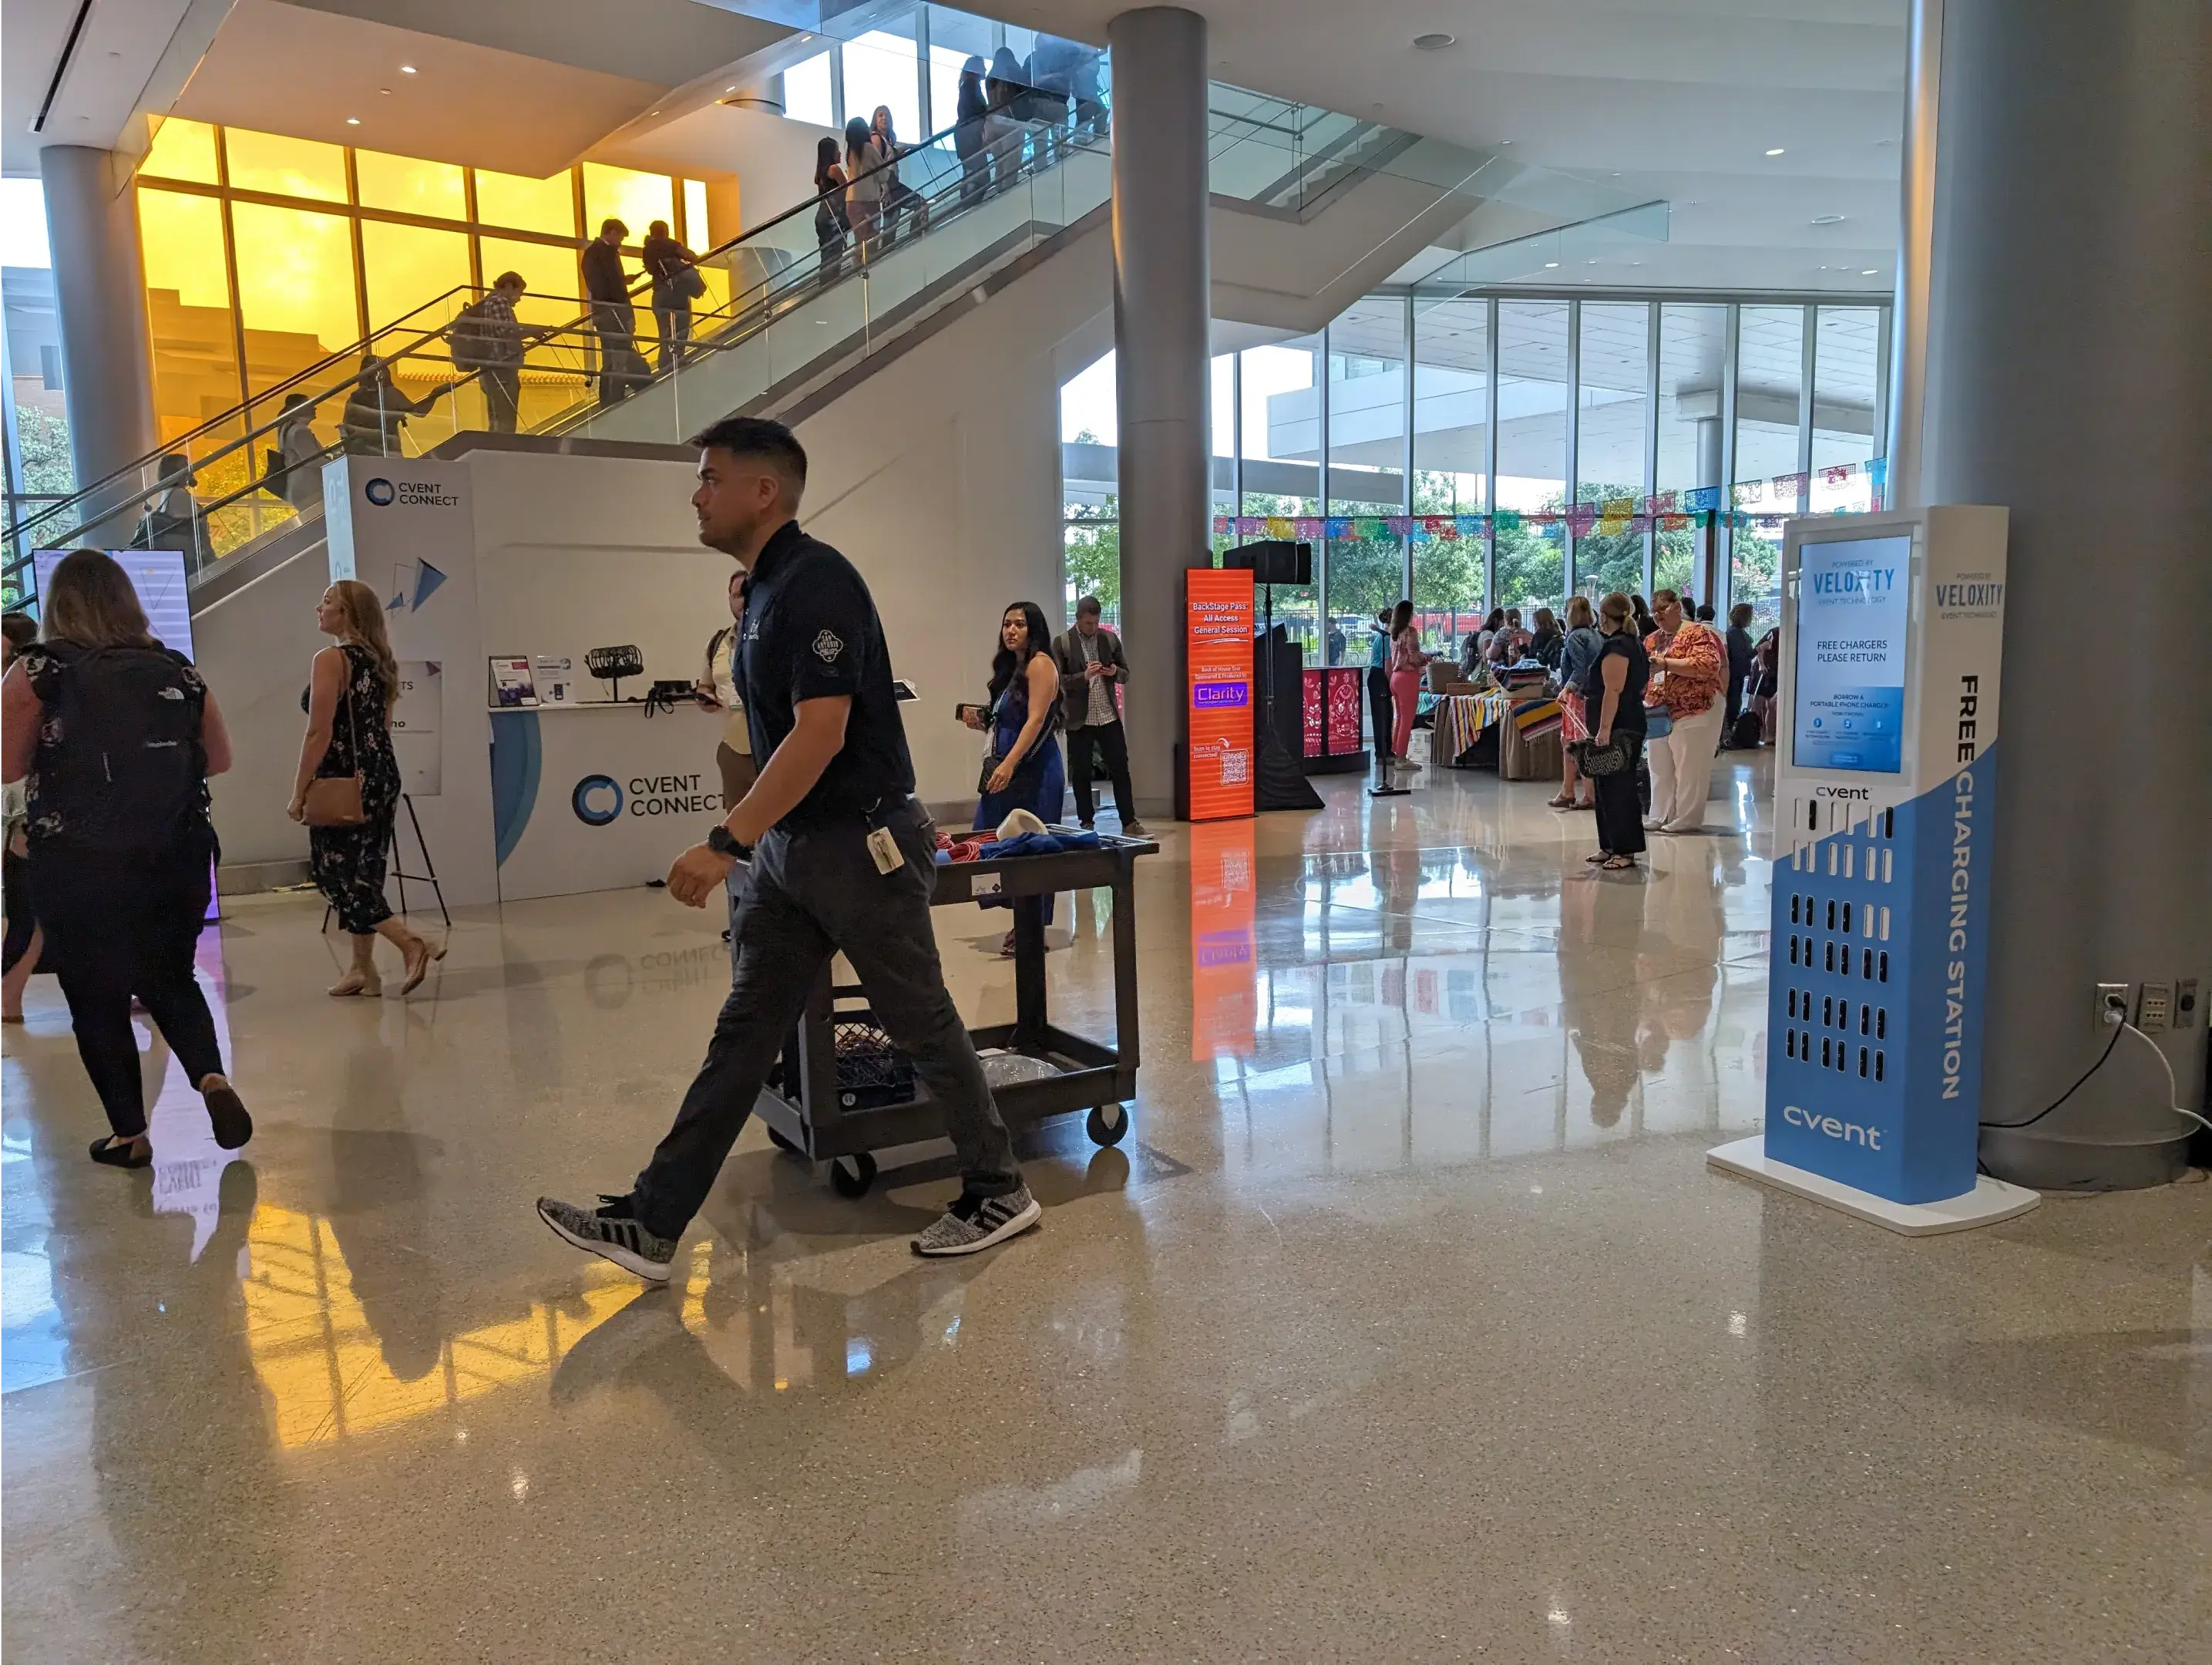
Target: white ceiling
x: 524, y: 86
x: 1672, y: 100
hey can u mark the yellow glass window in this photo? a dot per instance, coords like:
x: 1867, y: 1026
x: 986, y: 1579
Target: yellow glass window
x: 622, y: 193
x: 295, y: 288
x: 285, y: 167
x: 187, y: 309
x: 409, y: 268
x: 546, y: 205
x: 407, y: 186
x: 696, y: 229
x: 182, y: 150
x: 549, y: 271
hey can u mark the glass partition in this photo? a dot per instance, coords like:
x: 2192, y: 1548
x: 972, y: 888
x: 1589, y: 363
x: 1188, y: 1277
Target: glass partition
x: 1846, y: 407
x: 1281, y: 435
x: 1452, y: 462
x: 1365, y: 569
x: 1531, y: 451
x: 1613, y: 402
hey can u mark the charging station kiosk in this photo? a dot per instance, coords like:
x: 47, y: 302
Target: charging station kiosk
x: 1892, y: 629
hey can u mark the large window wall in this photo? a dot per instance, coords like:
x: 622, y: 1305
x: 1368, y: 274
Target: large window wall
x: 1472, y: 451
x: 34, y: 432
x: 263, y: 254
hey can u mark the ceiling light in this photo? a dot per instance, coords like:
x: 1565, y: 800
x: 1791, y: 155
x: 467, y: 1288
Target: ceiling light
x: 1549, y: 265
x: 729, y: 89
x: 1434, y: 43
x: 1827, y: 219
x: 353, y: 121
x: 384, y: 91
x: 1871, y: 272
x: 407, y: 69
x: 1776, y: 151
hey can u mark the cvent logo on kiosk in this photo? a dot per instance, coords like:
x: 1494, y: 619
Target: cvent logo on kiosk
x: 1850, y: 1133
x: 599, y: 800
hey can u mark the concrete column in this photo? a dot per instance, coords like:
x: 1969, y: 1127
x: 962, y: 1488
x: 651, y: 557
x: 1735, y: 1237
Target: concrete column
x: 1162, y: 301
x: 99, y: 299
x: 2067, y: 379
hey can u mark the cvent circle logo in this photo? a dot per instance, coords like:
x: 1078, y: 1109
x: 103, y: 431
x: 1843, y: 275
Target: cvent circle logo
x: 597, y: 800
x: 379, y: 491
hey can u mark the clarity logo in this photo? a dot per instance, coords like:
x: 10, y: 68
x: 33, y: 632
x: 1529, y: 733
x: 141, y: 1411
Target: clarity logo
x: 608, y: 797
x: 378, y: 491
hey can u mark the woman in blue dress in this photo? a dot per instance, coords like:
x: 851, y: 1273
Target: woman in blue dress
x: 1024, y: 719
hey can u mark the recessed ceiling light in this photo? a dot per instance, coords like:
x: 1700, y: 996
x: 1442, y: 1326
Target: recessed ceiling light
x: 1776, y: 151
x: 1827, y: 219
x: 729, y: 89
x: 353, y: 121
x: 656, y: 112
x: 1434, y: 43
x: 1871, y: 272
x: 1505, y: 140
x: 407, y: 69
x: 384, y: 91
x: 1549, y: 265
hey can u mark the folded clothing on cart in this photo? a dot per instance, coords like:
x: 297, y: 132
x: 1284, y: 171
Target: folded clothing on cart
x: 1040, y: 843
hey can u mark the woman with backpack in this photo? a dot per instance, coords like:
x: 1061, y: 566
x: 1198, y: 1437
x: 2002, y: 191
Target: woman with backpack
x: 116, y: 736
x: 348, y: 746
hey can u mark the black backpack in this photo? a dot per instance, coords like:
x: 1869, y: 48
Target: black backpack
x: 121, y: 767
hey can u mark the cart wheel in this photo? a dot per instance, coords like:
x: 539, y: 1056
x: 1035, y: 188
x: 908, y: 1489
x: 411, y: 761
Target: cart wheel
x: 783, y: 1144
x: 1107, y: 1124
x: 851, y: 1176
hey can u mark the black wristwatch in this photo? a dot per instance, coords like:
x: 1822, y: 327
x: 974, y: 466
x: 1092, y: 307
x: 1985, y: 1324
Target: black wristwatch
x: 721, y: 843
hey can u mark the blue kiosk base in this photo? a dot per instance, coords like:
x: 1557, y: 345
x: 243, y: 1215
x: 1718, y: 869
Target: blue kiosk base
x: 1989, y: 1202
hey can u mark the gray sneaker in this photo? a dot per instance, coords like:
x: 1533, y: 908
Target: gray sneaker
x: 1134, y: 829
x: 612, y: 1232
x: 974, y: 1224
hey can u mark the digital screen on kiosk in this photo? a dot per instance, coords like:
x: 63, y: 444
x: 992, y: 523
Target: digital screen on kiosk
x: 164, y: 589
x: 1852, y: 608
x: 1218, y: 648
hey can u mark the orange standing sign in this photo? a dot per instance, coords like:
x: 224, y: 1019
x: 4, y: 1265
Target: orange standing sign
x: 1218, y: 622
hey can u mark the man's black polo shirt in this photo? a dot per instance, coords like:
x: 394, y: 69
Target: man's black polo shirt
x: 810, y: 632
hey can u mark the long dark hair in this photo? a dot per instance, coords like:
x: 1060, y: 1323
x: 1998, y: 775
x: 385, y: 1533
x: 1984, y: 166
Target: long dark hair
x: 1005, y: 665
x: 1496, y: 621
x: 827, y: 155
x: 1402, y: 617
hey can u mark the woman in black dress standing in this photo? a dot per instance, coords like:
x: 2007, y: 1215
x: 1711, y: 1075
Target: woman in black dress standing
x: 348, y: 705
x: 1613, y: 706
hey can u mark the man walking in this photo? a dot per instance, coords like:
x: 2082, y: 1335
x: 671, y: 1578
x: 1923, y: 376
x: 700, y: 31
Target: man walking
x: 487, y: 338
x: 612, y: 316
x: 843, y: 859
x: 1091, y: 666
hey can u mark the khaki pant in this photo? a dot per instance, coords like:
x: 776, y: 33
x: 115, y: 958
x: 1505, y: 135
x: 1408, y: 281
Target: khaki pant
x: 738, y: 775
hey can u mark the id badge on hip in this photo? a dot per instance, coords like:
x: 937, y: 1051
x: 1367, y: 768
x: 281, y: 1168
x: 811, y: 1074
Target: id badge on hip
x: 884, y: 846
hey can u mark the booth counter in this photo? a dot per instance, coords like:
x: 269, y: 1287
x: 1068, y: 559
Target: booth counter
x: 599, y: 795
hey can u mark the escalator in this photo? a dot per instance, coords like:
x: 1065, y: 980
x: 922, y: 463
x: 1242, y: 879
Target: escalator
x: 1310, y: 207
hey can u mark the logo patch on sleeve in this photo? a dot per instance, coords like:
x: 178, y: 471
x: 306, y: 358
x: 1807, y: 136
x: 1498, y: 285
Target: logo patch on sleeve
x: 827, y: 647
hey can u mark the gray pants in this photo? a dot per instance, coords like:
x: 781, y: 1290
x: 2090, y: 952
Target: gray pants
x: 813, y: 894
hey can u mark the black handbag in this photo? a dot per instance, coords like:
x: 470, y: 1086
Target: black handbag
x: 1595, y: 760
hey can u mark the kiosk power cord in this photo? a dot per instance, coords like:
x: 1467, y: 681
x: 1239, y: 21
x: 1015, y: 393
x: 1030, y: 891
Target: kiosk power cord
x: 2118, y: 1025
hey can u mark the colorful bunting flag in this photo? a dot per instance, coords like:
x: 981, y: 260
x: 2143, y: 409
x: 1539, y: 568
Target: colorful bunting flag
x: 1470, y: 525
x: 1337, y: 526
x: 1281, y: 528
x: 1617, y: 508
x: 1836, y: 477
x: 1790, y: 487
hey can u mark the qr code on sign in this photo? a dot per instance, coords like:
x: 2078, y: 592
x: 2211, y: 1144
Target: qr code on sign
x: 1236, y: 768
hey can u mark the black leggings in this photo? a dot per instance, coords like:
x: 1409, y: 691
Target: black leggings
x: 122, y: 928
x: 22, y: 917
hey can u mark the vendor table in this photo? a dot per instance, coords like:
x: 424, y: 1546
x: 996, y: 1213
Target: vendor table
x: 840, y: 1105
x: 1460, y: 720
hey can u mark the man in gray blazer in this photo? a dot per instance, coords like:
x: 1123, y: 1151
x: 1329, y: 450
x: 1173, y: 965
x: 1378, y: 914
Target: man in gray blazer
x: 1091, y: 669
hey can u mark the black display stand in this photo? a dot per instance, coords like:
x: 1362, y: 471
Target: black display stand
x: 428, y: 876
x: 1278, y: 780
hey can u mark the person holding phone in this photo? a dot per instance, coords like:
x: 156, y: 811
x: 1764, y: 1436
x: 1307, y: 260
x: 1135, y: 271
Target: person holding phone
x: 1024, y: 771
x: 1093, y: 671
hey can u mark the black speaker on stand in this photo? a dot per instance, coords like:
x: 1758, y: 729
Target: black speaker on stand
x: 1278, y: 781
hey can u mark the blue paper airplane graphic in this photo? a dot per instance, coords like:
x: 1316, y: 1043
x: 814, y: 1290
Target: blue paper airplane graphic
x: 428, y: 579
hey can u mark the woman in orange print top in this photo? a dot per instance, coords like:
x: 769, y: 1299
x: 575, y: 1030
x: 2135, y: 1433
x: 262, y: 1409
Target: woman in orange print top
x: 1689, y: 678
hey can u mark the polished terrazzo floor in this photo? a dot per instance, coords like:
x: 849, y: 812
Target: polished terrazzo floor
x: 1407, y: 1324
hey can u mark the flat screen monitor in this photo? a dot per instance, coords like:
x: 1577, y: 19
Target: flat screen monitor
x: 1853, y: 606
x: 158, y: 576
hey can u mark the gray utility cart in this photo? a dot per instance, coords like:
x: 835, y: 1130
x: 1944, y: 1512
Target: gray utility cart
x: 842, y: 1092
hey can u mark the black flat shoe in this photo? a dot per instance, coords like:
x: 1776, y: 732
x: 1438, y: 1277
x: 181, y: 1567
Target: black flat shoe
x: 109, y: 1154
x: 227, y: 1114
